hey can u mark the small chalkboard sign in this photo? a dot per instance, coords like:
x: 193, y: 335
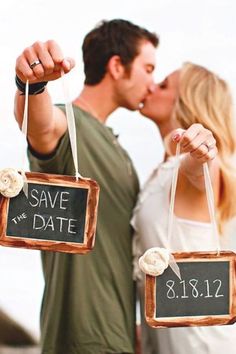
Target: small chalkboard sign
x: 204, y: 296
x: 59, y: 214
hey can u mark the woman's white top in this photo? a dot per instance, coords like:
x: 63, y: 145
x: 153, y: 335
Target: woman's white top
x: 150, y: 220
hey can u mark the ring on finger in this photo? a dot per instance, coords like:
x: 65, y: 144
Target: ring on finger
x: 35, y: 63
x: 208, y: 145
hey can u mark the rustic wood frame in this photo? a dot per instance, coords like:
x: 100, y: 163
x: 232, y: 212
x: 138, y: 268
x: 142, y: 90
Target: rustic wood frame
x: 150, y: 295
x: 51, y: 245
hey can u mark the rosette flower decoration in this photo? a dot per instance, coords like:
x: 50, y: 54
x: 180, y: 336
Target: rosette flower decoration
x: 11, y: 182
x: 154, y: 261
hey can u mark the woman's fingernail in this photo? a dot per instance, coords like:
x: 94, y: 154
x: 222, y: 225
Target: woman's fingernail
x: 176, y: 137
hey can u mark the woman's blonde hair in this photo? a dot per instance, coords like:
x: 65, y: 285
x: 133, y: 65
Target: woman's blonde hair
x: 206, y: 99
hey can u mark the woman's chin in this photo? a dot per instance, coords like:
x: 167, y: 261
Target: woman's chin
x: 142, y: 110
x: 145, y: 112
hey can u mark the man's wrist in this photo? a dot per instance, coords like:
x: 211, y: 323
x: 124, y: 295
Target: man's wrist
x: 34, y: 89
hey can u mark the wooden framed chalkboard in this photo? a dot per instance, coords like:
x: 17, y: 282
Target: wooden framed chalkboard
x: 60, y: 214
x: 204, y: 296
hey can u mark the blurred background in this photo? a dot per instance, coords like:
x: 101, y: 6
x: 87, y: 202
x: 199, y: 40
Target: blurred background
x: 201, y: 31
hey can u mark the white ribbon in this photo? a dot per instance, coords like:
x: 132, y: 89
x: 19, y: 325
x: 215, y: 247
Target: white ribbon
x: 24, y: 129
x: 210, y: 201
x: 71, y: 129
x: 172, y: 196
x: 155, y: 260
x: 211, y: 205
x: 71, y: 125
x: 12, y: 181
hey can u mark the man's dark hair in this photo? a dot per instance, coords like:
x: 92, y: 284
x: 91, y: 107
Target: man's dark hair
x: 115, y: 37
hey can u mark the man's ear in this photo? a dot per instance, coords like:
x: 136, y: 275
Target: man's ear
x: 115, y: 68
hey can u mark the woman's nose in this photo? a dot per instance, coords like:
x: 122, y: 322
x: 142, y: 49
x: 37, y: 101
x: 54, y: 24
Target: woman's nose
x: 152, y: 87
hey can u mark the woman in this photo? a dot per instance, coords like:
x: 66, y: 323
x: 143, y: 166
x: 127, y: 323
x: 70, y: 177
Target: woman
x: 192, y: 107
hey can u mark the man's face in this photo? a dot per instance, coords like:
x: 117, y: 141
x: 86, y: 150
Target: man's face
x: 134, y: 86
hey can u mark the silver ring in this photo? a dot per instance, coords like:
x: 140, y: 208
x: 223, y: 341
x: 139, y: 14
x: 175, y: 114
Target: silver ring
x: 35, y: 63
x: 209, y: 145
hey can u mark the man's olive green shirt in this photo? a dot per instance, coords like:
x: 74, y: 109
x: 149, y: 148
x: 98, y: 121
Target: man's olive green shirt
x: 89, y: 302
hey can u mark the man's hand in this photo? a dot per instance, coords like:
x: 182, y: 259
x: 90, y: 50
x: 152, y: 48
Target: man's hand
x: 46, y: 123
x: 43, y: 61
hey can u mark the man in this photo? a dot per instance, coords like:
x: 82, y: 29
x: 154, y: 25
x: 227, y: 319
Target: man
x: 89, y: 303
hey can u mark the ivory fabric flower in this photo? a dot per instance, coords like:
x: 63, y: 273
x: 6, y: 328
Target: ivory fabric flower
x: 11, y: 182
x: 154, y: 261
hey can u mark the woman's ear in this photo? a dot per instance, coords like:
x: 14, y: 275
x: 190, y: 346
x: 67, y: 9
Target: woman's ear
x: 115, y: 68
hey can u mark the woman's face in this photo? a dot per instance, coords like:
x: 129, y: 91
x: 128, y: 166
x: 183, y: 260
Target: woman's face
x: 159, y: 105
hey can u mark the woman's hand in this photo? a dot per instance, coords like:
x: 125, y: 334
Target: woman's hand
x: 199, y: 146
x: 196, y: 140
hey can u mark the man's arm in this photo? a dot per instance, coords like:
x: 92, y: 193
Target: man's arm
x: 46, y: 123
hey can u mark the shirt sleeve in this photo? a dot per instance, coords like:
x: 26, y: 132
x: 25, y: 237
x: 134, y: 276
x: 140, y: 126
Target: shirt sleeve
x: 54, y: 162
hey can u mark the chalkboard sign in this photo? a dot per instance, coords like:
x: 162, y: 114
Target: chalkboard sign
x: 205, y: 294
x: 59, y: 214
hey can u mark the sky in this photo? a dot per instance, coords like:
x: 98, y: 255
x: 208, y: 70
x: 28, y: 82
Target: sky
x: 200, y: 31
